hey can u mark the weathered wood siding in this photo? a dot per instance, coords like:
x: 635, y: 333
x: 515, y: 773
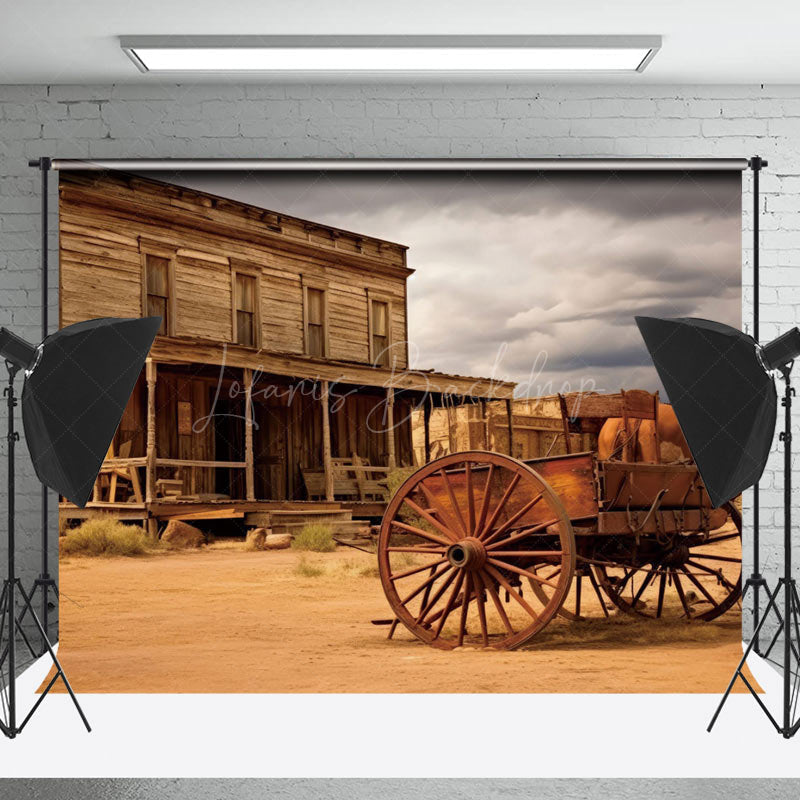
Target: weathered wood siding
x: 108, y: 222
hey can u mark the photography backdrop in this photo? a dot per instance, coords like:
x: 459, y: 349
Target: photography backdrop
x: 522, y: 274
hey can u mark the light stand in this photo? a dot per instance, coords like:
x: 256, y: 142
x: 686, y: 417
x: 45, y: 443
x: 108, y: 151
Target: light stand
x: 789, y: 621
x: 45, y: 583
x: 756, y: 580
x: 11, y: 624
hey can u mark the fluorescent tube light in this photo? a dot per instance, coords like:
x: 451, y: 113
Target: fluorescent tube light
x: 392, y: 54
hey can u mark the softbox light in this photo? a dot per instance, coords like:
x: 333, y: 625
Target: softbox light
x: 722, y: 394
x: 77, y: 384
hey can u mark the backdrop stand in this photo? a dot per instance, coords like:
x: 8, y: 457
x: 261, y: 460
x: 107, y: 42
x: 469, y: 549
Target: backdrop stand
x: 756, y: 581
x: 789, y: 621
x: 45, y: 583
x: 10, y: 624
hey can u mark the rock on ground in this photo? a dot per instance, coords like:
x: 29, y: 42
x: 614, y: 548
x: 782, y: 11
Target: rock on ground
x: 182, y: 536
x: 255, y: 538
x: 277, y: 541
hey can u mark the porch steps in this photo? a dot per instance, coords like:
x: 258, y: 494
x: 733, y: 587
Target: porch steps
x: 341, y: 522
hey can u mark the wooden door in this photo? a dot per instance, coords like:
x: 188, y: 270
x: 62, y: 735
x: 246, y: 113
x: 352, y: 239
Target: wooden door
x: 270, y: 450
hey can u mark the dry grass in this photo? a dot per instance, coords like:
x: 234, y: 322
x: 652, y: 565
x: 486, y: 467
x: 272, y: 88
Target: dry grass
x: 106, y: 536
x: 622, y: 630
x: 305, y: 569
x: 316, y: 537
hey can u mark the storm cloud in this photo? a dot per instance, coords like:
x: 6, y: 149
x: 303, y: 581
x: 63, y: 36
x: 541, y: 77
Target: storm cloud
x: 534, y: 277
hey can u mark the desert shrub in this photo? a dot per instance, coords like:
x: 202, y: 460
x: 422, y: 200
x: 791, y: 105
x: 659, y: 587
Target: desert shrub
x: 397, y: 477
x: 316, y: 537
x: 305, y: 569
x: 106, y: 537
x: 394, y: 480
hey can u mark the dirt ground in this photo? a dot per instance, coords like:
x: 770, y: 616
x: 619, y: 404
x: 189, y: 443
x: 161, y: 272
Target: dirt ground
x: 229, y: 620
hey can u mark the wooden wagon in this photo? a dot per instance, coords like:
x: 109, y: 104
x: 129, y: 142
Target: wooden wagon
x: 481, y: 548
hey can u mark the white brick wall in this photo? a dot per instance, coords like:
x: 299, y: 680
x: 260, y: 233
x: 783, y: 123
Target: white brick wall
x: 400, y: 120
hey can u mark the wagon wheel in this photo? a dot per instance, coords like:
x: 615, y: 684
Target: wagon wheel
x: 575, y: 606
x: 457, y: 540
x: 696, y: 578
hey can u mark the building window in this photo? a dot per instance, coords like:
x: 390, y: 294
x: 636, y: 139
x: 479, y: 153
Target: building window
x: 245, y: 307
x: 379, y: 333
x: 157, y: 303
x: 315, y: 322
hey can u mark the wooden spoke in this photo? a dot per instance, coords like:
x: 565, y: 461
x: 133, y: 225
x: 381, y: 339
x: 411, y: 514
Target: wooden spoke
x: 709, y: 557
x: 645, y: 583
x: 700, y: 586
x: 526, y: 572
x: 487, y: 493
x: 526, y: 533
x: 449, y: 605
x: 501, y: 612
x: 681, y: 595
x: 450, y: 537
x: 433, y: 600
x: 443, y: 515
x: 511, y: 520
x: 511, y: 590
x: 432, y: 537
x: 415, y: 570
x: 597, y: 592
x: 716, y: 573
x: 662, y: 585
x: 427, y: 582
x: 501, y: 505
x: 462, y: 625
x: 470, y: 499
x: 453, y: 502
x: 480, y: 602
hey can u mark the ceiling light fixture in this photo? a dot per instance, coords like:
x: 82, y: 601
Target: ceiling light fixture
x: 390, y: 54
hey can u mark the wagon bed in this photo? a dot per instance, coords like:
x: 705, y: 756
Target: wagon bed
x: 481, y: 548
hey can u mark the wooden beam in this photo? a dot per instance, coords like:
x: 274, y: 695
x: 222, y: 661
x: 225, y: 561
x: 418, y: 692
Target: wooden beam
x: 510, y: 418
x: 390, y: 450
x: 426, y: 416
x: 485, y: 418
x: 326, y: 442
x: 151, y: 372
x: 187, y: 350
x: 249, y: 477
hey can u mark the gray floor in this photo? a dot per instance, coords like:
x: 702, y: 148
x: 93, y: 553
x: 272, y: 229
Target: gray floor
x: 353, y: 789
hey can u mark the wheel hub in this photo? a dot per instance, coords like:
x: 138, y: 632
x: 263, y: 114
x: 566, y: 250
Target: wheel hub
x: 467, y: 553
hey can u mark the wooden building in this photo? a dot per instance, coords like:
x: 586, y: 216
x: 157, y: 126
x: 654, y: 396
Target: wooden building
x: 280, y: 374
x: 537, y: 428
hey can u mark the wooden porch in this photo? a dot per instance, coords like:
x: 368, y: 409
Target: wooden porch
x: 215, y: 441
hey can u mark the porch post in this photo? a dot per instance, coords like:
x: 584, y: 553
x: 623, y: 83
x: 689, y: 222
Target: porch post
x: 389, y: 420
x: 249, y: 479
x: 151, y: 372
x: 509, y: 416
x: 326, y: 442
x: 426, y: 416
x: 485, y: 419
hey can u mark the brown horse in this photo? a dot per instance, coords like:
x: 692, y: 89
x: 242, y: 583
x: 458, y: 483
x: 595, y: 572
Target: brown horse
x: 641, y: 434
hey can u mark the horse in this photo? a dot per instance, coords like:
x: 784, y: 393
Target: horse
x: 641, y: 435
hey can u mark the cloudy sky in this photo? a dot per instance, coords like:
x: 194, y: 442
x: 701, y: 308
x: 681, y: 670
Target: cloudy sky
x: 534, y: 277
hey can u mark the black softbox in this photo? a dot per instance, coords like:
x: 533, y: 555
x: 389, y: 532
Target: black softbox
x: 74, y: 395
x: 723, y: 396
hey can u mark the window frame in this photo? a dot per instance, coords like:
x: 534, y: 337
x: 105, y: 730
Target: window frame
x: 252, y: 271
x: 321, y: 286
x: 160, y: 250
x: 374, y: 297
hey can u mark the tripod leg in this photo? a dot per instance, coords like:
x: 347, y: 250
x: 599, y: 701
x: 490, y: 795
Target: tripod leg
x: 738, y: 671
x: 60, y: 670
